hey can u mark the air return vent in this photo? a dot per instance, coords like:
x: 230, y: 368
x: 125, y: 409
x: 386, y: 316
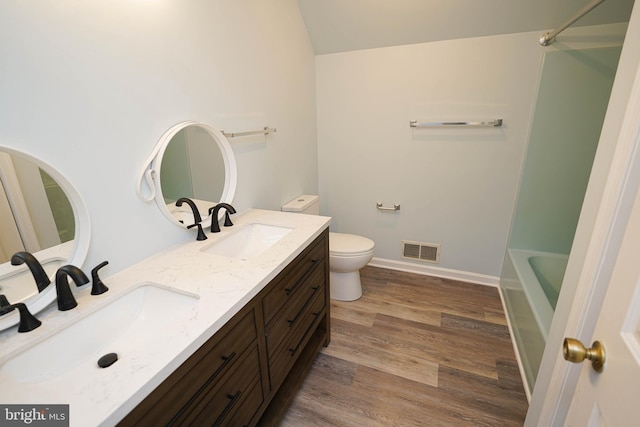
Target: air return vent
x: 429, y: 252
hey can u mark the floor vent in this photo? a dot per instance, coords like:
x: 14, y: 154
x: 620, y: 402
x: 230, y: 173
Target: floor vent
x: 429, y: 252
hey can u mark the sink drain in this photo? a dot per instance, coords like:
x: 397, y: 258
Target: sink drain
x: 107, y: 360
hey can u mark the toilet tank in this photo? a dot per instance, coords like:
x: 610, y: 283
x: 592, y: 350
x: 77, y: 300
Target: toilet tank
x: 305, y: 204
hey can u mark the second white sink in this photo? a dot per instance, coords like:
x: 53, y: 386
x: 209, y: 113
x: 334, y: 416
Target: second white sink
x: 248, y: 241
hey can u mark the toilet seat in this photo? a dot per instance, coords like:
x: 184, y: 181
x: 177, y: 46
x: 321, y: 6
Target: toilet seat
x: 347, y: 245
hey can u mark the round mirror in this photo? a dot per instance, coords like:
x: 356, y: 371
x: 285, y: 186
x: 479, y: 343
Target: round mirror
x: 192, y: 160
x: 41, y: 214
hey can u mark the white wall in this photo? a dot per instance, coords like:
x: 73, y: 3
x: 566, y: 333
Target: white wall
x: 90, y: 87
x: 456, y: 187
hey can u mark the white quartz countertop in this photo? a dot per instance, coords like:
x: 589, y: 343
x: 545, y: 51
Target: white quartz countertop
x: 223, y: 286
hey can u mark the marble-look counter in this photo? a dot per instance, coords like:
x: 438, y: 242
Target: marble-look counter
x: 223, y: 285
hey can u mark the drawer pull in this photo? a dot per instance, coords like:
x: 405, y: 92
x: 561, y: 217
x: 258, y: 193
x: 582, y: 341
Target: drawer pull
x: 297, y: 316
x: 226, y: 359
x: 297, y: 347
x: 229, y: 357
x: 293, y: 288
x: 233, y: 399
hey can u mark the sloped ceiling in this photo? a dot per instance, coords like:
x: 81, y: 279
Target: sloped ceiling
x: 345, y: 25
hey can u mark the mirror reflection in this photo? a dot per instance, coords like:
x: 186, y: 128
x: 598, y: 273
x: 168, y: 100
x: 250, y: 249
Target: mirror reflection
x: 192, y: 166
x: 35, y: 216
x: 191, y: 160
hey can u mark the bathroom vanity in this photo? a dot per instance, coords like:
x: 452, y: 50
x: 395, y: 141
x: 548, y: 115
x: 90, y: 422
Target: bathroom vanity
x: 250, y: 369
x: 206, y: 330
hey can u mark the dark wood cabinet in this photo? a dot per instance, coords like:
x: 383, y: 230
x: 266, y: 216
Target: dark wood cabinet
x: 248, y: 372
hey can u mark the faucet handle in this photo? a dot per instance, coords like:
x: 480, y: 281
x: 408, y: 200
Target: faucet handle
x: 4, y: 302
x: 97, y: 287
x: 28, y: 321
x: 227, y: 219
x: 201, y: 235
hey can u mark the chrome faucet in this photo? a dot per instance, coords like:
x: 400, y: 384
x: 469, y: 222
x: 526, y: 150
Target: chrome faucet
x: 28, y: 322
x: 215, y: 227
x: 40, y: 276
x: 197, y: 219
x: 66, y: 301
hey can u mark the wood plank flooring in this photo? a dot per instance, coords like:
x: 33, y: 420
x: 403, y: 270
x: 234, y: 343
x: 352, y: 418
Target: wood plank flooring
x: 414, y: 351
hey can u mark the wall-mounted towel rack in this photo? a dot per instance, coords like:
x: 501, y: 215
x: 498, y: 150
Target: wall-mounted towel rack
x: 264, y: 131
x: 492, y: 123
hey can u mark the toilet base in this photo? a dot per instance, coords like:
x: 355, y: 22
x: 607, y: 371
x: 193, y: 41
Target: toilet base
x: 345, y: 286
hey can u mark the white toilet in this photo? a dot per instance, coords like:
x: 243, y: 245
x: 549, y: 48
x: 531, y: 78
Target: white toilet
x: 348, y: 253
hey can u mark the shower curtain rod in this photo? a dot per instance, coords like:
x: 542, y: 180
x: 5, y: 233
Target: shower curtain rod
x: 548, y: 38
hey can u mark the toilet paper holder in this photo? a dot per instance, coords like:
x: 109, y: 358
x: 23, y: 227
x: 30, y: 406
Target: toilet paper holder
x: 381, y: 207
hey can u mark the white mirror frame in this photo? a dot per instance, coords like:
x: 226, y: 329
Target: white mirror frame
x: 150, y: 174
x: 38, y: 302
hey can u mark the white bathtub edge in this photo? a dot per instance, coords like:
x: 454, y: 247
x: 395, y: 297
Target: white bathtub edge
x: 516, y: 350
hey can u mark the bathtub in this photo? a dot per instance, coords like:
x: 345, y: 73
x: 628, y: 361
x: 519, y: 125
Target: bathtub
x: 540, y: 275
x: 529, y: 284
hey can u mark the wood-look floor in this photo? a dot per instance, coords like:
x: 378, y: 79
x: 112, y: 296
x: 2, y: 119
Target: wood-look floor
x: 414, y: 351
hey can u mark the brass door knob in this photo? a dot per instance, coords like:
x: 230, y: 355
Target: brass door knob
x: 574, y: 351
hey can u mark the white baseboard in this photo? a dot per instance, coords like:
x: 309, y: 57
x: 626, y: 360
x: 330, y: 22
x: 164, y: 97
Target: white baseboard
x: 428, y: 270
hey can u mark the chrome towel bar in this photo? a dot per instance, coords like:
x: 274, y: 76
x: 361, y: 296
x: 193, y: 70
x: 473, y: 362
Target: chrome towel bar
x: 265, y: 131
x: 417, y: 124
x: 381, y: 207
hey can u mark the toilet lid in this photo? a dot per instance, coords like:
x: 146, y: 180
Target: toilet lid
x: 349, y: 244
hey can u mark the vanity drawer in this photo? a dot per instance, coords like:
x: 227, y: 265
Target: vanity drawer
x: 283, y: 358
x: 208, y: 366
x: 246, y: 411
x: 290, y: 280
x: 240, y: 391
x: 291, y: 315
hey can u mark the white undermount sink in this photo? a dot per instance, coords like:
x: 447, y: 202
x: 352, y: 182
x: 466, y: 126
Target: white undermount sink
x: 121, y: 326
x: 249, y: 241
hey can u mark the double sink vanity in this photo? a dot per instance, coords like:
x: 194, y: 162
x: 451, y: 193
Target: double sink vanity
x: 197, y: 333
x: 219, y: 331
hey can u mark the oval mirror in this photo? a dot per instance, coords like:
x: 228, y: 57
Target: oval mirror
x: 43, y: 214
x: 192, y: 160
